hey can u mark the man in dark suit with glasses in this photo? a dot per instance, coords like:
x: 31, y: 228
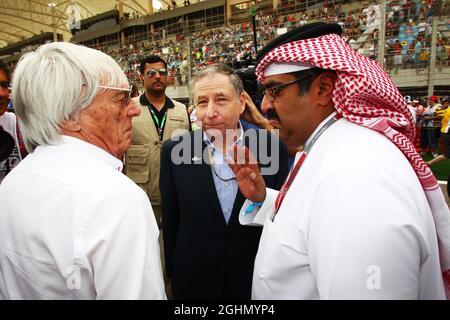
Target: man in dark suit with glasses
x: 209, y: 254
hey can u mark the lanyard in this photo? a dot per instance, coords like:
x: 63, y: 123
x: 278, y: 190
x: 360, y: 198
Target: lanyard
x: 298, y: 164
x: 212, y: 163
x: 163, y: 122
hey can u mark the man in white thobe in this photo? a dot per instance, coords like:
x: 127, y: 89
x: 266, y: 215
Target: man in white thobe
x: 360, y: 216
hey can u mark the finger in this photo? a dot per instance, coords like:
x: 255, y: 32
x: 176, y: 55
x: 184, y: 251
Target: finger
x: 248, y: 155
x: 241, y: 158
x: 229, y: 160
x: 251, y: 159
x: 233, y: 162
x: 234, y: 153
x: 244, y: 173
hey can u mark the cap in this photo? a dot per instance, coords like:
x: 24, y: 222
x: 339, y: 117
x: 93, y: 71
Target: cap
x: 307, y: 31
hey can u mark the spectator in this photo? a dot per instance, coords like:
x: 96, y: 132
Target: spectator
x: 398, y: 57
x: 428, y: 140
x: 10, y: 128
x: 445, y: 135
x: 159, y: 118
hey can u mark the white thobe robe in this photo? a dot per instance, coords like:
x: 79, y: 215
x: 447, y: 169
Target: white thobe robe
x: 355, y: 224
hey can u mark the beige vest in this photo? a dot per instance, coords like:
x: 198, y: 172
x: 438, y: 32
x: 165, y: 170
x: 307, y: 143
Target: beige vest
x: 142, y: 160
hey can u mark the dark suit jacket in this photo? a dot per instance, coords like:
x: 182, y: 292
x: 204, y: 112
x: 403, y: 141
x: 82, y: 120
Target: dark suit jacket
x: 205, y: 257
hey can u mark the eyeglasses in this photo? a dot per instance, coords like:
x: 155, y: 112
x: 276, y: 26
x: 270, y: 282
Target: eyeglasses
x: 271, y: 93
x: 152, y: 72
x: 127, y: 97
x: 213, y: 165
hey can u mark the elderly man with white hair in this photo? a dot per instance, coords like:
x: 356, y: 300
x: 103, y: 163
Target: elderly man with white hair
x: 72, y: 226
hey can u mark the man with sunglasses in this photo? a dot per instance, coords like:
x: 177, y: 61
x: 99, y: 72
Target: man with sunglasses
x: 159, y: 119
x: 208, y: 254
x: 72, y: 225
x: 360, y: 215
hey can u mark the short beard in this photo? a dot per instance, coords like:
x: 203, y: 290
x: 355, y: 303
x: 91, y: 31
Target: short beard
x: 157, y: 92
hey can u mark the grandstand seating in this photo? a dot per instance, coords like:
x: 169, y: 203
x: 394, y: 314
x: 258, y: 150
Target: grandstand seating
x: 408, y: 37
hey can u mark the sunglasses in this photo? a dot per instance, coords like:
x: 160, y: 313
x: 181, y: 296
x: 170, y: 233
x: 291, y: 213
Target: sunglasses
x: 127, y: 96
x: 152, y: 72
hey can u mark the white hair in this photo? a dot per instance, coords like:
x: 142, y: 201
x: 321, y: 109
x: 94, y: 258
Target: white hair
x: 53, y: 84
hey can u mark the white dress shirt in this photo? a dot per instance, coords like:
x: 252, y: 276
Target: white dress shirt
x: 72, y: 226
x: 355, y: 224
x: 226, y: 190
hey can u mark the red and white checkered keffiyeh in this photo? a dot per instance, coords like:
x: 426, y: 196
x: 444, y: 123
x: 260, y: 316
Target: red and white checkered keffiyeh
x: 365, y: 95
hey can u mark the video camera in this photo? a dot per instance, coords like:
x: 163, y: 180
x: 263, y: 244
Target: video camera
x: 251, y: 86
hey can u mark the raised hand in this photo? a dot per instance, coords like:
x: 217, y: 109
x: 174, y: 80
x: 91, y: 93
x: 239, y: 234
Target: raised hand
x: 252, y: 115
x: 248, y: 176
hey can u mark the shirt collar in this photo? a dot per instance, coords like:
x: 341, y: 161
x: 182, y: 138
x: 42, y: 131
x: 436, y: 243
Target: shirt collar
x: 93, y: 151
x: 238, y: 142
x: 318, y: 128
x: 144, y: 101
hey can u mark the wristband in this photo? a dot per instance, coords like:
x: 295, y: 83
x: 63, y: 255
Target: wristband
x: 251, y: 207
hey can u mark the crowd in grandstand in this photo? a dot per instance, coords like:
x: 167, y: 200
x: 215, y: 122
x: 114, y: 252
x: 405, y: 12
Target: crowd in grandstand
x: 432, y: 119
x: 408, y: 38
